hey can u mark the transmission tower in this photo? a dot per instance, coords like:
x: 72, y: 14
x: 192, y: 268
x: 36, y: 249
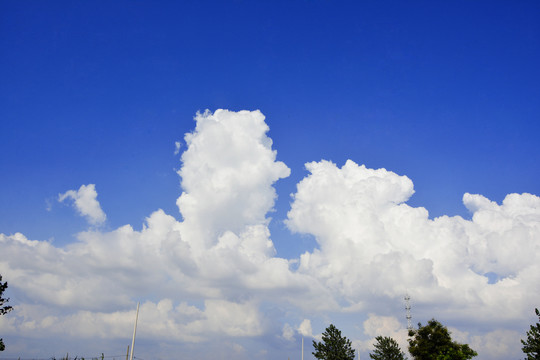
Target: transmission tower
x: 408, y: 308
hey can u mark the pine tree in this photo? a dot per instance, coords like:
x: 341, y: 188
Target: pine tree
x: 531, y: 346
x: 333, y: 346
x: 387, y: 348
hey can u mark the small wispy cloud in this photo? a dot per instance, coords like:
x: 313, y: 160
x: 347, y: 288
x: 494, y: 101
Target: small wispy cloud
x: 85, y: 201
x: 48, y: 204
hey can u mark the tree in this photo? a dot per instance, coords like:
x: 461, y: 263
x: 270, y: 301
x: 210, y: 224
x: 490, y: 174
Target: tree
x: 387, y: 348
x: 531, y: 346
x: 433, y: 342
x: 333, y: 346
x: 4, y: 309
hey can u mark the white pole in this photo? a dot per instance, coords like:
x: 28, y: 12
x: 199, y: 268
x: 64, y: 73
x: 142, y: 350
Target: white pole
x: 134, y: 331
x: 302, y: 348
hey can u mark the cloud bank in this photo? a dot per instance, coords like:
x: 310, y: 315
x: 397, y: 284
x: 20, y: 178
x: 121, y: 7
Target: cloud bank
x: 211, y: 283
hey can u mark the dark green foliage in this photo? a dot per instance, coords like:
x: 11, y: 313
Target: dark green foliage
x: 433, y: 342
x: 387, y: 348
x: 4, y: 309
x: 531, y: 346
x: 333, y: 346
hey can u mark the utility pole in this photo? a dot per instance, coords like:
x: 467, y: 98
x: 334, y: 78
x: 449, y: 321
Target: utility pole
x: 134, y: 331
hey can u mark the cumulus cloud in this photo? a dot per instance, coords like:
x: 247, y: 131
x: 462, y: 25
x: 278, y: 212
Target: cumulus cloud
x: 220, y: 256
x: 373, y: 245
x: 214, y: 274
x: 85, y: 201
x: 227, y: 175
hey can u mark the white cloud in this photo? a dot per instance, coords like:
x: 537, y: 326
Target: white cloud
x: 497, y: 342
x: 215, y: 275
x: 372, y: 244
x: 388, y: 326
x: 177, y: 146
x: 85, y: 201
x: 227, y: 175
x: 159, y: 320
x: 48, y: 204
x: 288, y: 332
x: 304, y: 328
x: 220, y: 254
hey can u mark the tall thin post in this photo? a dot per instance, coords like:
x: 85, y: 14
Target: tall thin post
x: 302, y: 348
x: 127, y: 353
x: 408, y: 309
x: 134, y: 331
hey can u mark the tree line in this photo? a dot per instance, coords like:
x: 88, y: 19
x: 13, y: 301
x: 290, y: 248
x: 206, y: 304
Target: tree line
x: 432, y: 341
x: 429, y: 342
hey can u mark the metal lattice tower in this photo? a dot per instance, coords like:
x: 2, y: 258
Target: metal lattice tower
x: 408, y: 308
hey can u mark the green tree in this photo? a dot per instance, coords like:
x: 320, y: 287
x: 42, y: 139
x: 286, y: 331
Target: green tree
x: 531, y: 346
x: 4, y: 309
x: 333, y: 346
x: 387, y: 348
x: 433, y: 342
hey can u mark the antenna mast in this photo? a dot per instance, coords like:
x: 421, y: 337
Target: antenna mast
x: 134, y: 331
x: 408, y: 308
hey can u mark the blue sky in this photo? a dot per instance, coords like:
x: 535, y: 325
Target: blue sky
x: 445, y: 94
